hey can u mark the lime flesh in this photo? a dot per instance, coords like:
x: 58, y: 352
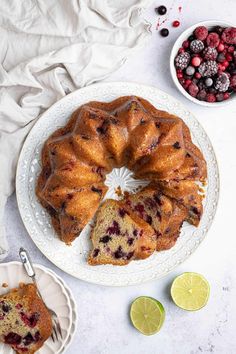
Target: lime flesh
x: 147, y: 315
x: 190, y: 291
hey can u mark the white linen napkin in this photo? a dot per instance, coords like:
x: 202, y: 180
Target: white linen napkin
x: 48, y: 49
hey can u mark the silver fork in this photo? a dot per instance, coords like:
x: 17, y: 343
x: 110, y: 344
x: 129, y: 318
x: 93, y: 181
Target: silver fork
x: 28, y: 265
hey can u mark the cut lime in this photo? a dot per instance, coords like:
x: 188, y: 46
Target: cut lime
x: 147, y: 315
x: 190, y: 291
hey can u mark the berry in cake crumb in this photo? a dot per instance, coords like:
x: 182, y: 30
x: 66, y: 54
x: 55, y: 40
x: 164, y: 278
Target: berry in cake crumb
x: 176, y: 23
x: 161, y: 10
x: 164, y: 32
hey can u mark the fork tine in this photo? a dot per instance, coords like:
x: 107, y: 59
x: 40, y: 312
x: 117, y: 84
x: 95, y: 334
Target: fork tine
x: 52, y: 337
x: 59, y: 328
x: 55, y: 331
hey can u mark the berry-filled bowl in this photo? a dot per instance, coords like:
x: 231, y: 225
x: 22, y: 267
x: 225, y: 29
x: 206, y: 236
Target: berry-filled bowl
x: 203, y: 63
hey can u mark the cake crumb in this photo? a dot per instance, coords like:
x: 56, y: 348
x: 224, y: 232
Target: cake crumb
x: 4, y: 285
x: 118, y: 191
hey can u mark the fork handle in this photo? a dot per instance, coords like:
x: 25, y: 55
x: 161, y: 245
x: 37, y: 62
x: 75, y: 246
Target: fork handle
x: 25, y: 259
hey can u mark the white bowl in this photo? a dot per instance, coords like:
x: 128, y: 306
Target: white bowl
x: 178, y: 44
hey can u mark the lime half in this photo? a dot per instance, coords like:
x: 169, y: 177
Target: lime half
x: 190, y: 291
x: 147, y: 315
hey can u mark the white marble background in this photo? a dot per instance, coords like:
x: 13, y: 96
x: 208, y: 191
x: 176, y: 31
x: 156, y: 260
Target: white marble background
x: 104, y: 326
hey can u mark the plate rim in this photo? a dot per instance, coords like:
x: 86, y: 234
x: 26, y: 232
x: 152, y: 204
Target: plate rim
x: 130, y: 85
x: 64, y: 288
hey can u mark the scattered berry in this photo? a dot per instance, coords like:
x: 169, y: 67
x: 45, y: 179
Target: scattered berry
x: 196, y: 46
x: 208, y: 82
x: 190, y: 70
x: 201, y: 33
x: 161, y: 10
x: 182, y: 60
x: 208, y: 68
x: 229, y: 35
x: 210, y: 53
x: 193, y: 89
x: 210, y: 97
x: 213, y: 40
x: 164, y: 32
x: 196, y: 61
x: 222, y: 83
x: 176, y: 23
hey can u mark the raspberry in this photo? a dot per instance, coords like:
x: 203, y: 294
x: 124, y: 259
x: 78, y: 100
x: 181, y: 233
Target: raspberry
x: 210, y: 53
x: 229, y: 35
x: 193, y: 89
x: 213, y: 39
x: 233, y: 81
x: 201, y: 33
x: 185, y: 44
x: 196, y: 46
x: 219, y: 97
x: 210, y: 97
x: 226, y: 95
x: 201, y: 96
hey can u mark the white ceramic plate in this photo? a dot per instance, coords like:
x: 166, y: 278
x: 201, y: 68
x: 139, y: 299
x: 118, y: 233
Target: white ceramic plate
x: 56, y: 296
x: 73, y: 259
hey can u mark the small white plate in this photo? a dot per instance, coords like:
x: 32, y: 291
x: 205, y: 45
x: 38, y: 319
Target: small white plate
x: 55, y: 295
x: 178, y: 43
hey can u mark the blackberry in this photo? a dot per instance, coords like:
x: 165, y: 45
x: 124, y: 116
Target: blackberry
x: 196, y: 46
x: 210, y: 53
x: 209, y: 68
x: 222, y: 82
x: 182, y: 60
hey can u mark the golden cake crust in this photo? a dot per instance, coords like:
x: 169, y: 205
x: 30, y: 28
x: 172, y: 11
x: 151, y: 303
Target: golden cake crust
x: 21, y: 304
x: 100, y: 136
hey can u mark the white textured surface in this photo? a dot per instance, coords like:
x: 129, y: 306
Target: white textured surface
x: 104, y: 327
x: 73, y: 260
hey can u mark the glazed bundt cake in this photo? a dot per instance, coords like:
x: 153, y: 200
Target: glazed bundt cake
x: 25, y: 323
x: 119, y: 236
x: 128, y: 131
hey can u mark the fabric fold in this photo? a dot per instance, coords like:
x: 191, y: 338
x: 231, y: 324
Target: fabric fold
x: 49, y: 49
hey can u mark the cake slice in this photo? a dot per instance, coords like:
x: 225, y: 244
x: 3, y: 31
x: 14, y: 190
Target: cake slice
x: 151, y: 205
x: 169, y: 236
x: 119, y: 236
x: 25, y: 323
x: 187, y: 194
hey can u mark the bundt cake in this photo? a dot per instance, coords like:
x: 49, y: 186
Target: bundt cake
x: 119, y: 236
x: 25, y: 323
x: 128, y: 131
